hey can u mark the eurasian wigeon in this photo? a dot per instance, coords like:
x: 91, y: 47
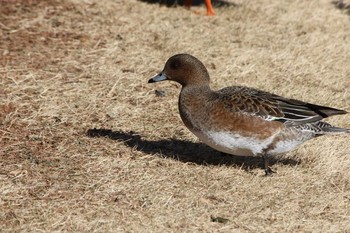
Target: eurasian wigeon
x: 240, y: 120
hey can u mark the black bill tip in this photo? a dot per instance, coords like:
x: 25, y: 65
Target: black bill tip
x: 158, y: 78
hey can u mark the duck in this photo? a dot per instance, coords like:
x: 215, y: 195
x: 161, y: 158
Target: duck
x: 240, y: 120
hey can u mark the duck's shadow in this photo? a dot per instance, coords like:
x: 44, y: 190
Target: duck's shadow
x: 184, y: 151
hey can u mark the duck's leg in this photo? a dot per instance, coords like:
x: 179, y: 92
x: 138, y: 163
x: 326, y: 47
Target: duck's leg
x: 266, y: 164
x: 210, y: 10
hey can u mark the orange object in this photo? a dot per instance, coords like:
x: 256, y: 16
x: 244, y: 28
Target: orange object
x: 210, y: 10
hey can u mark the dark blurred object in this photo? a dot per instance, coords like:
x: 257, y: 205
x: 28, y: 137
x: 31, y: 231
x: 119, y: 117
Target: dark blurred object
x: 342, y: 6
x: 159, y: 93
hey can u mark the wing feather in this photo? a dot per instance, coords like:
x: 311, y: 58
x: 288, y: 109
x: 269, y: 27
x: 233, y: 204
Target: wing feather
x: 272, y: 107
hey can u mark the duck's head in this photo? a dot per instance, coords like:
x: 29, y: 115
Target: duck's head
x: 184, y: 69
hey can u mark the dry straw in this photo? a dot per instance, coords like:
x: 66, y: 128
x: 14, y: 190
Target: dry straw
x: 68, y: 67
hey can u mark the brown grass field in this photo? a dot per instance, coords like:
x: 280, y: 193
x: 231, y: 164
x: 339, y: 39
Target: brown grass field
x: 87, y: 146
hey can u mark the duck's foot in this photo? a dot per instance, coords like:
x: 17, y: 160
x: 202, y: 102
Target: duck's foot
x: 269, y: 172
x: 266, y: 164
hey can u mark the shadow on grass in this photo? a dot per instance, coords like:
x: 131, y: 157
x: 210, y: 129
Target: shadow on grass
x: 184, y: 151
x: 169, y: 3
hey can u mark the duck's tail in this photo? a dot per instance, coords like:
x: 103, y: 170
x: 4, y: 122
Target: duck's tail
x: 322, y: 128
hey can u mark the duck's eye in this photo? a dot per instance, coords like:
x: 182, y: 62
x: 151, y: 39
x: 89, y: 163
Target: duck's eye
x: 175, y: 65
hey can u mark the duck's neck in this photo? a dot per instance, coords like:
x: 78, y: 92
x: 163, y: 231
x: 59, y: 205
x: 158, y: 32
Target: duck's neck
x: 198, y: 89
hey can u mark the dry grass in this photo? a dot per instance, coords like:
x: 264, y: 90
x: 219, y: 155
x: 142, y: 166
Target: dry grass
x: 70, y: 66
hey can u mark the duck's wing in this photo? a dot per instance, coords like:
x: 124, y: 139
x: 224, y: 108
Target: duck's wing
x: 272, y: 107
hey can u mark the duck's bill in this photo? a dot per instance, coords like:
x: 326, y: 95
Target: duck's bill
x: 158, y: 78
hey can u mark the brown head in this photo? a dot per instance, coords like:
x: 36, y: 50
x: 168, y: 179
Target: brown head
x: 184, y: 69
